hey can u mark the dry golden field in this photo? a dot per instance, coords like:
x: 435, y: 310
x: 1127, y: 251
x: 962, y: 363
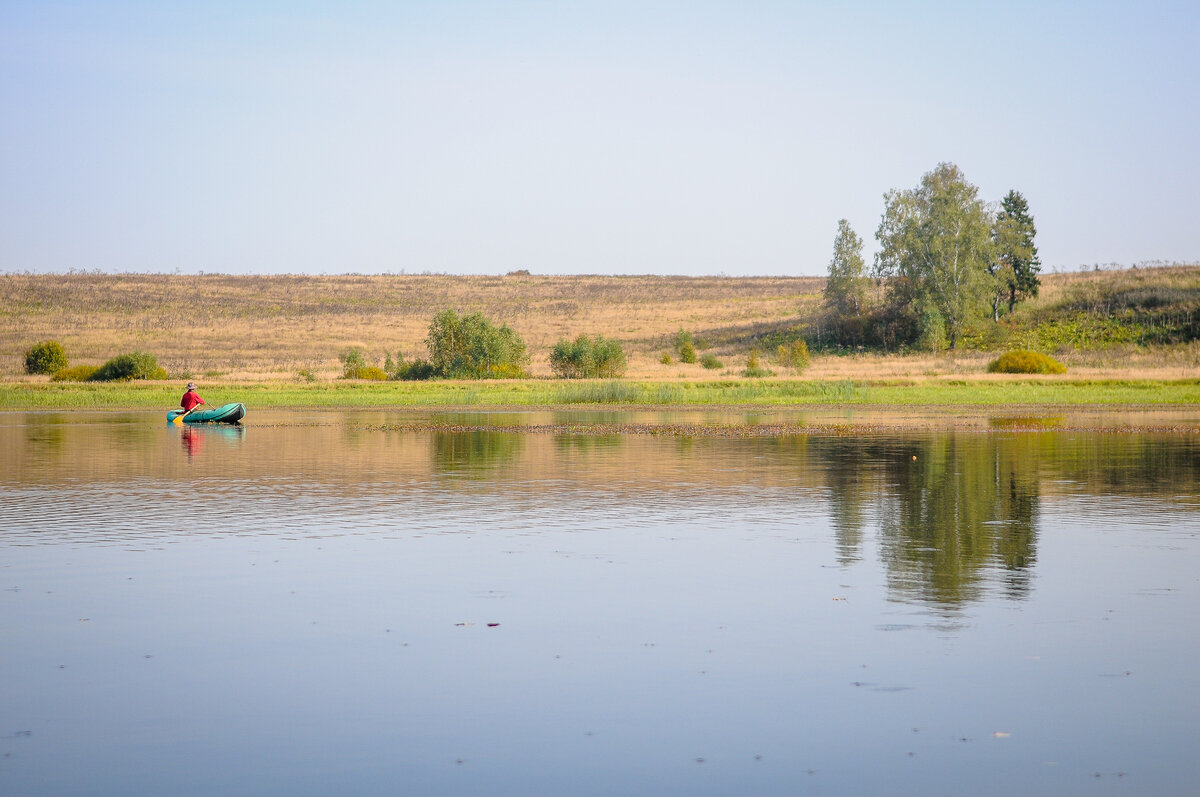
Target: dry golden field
x: 219, y: 327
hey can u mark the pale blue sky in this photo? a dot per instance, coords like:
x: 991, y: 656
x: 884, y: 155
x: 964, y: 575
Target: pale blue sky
x: 578, y: 137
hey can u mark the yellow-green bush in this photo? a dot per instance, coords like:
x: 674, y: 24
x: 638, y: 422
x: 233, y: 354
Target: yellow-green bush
x: 370, y: 372
x: 794, y: 354
x: 1021, y: 361
x: 754, y: 368
x: 75, y: 373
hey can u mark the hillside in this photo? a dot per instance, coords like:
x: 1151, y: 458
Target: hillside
x: 250, y: 327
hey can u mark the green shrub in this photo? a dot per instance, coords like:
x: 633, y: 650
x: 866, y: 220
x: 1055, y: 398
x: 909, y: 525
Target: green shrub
x: 415, y: 371
x: 1021, y: 361
x: 471, y: 347
x: 74, y: 373
x: 685, y: 346
x: 46, y: 357
x: 136, y: 365
x: 711, y: 362
x: 587, y: 358
x: 666, y: 358
x: 306, y: 374
x: 370, y: 372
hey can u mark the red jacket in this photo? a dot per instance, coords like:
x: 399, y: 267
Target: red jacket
x: 190, y: 399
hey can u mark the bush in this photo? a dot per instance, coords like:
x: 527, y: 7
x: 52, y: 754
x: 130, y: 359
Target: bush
x: 711, y: 362
x: 793, y: 355
x: 471, y: 347
x: 75, y: 373
x: 754, y: 368
x: 370, y: 372
x: 415, y: 371
x: 46, y: 357
x: 587, y: 357
x: 666, y: 358
x: 1021, y: 361
x: 353, y: 359
x: 685, y: 346
x: 136, y: 365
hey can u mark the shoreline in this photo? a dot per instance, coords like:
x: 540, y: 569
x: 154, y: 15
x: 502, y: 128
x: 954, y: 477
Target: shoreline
x: 365, y: 408
x: 1021, y: 394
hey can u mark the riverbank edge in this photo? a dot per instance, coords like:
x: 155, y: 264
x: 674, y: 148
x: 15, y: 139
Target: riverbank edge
x: 1024, y: 393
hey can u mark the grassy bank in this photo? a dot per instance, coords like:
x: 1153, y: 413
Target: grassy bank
x: 549, y: 393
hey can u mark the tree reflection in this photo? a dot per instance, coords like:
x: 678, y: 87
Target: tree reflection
x: 474, y: 454
x: 953, y: 510
x: 846, y: 472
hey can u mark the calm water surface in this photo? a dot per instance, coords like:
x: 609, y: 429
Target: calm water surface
x: 310, y: 605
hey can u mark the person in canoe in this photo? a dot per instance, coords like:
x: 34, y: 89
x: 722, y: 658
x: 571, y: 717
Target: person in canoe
x: 191, y: 399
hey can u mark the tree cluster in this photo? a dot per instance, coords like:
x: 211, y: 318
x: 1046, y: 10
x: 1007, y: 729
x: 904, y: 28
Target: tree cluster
x: 585, y: 357
x: 471, y: 347
x: 945, y: 258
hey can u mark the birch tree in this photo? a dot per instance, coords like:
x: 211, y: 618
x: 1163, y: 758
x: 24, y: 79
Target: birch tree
x: 935, y: 248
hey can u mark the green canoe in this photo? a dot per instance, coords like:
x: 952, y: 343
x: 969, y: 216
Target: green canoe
x: 230, y: 413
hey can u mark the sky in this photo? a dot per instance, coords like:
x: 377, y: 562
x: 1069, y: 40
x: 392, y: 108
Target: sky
x: 612, y: 137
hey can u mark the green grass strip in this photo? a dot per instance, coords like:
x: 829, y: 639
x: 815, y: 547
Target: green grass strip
x: 541, y: 393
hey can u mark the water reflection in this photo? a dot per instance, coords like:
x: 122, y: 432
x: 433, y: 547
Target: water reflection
x: 956, y: 509
x: 950, y: 515
x: 193, y: 439
x: 338, y: 602
x: 474, y: 455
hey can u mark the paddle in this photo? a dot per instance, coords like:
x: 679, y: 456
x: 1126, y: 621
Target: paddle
x: 178, y: 419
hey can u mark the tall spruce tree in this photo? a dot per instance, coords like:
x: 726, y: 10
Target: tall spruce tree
x: 846, y: 288
x: 1016, y: 265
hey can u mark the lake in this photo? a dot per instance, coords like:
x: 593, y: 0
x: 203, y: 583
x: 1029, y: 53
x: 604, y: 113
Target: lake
x: 343, y: 602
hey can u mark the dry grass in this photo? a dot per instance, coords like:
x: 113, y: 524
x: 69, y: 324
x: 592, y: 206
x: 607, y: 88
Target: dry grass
x: 221, y: 327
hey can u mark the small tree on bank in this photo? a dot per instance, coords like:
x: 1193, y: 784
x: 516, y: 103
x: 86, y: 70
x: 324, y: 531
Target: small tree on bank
x: 846, y: 287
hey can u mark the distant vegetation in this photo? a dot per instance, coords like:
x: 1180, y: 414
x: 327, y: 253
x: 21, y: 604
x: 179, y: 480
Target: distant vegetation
x: 49, y: 358
x: 75, y: 373
x: 471, y: 347
x: 585, y: 357
x: 945, y: 259
x: 1025, y: 362
x: 685, y: 346
x: 460, y: 347
x: 137, y: 365
x: 298, y: 327
x: 355, y: 366
x: 793, y: 354
x: 45, y: 358
x: 754, y: 368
